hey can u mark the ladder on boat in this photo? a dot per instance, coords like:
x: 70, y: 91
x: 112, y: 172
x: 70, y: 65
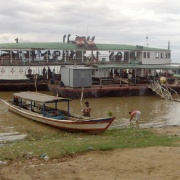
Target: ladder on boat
x: 164, y: 91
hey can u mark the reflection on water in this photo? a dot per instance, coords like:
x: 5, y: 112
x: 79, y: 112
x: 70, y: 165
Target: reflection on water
x: 156, y: 112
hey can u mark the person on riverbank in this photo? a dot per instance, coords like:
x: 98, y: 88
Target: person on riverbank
x: 86, y: 111
x: 135, y: 115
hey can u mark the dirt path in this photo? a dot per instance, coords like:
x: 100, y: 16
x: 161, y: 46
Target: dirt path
x: 141, y: 164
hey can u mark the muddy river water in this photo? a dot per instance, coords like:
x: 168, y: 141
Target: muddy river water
x: 156, y: 112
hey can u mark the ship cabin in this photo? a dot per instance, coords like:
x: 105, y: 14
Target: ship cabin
x: 79, y: 51
x: 21, y: 60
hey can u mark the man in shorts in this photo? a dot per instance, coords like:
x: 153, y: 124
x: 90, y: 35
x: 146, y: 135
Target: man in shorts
x: 135, y: 114
x: 87, y: 110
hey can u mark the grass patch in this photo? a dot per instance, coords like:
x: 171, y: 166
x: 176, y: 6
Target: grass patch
x: 59, y: 144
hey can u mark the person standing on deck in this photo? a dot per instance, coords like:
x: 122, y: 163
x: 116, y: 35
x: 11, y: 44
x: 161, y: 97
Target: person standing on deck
x: 86, y: 111
x: 49, y: 73
x: 53, y: 75
x: 44, y: 73
x: 129, y: 78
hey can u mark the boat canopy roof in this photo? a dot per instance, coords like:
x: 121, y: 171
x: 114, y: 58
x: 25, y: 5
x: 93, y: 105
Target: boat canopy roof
x: 38, y: 97
x: 71, y: 46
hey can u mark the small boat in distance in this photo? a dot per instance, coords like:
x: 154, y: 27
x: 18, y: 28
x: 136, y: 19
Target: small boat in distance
x: 43, y: 108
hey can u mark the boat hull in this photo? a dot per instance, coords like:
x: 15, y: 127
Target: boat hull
x: 26, y: 85
x: 90, y: 126
x: 97, y: 91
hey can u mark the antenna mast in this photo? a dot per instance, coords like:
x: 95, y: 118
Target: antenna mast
x: 169, y: 45
x: 147, y: 41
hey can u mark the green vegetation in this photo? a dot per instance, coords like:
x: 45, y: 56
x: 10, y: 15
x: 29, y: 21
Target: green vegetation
x: 59, y: 144
x: 110, y: 114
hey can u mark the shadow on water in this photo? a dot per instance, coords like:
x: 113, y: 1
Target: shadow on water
x: 156, y: 112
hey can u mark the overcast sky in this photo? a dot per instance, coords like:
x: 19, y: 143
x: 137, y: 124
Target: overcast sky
x: 110, y: 21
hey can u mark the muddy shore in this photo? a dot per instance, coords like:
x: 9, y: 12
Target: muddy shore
x: 140, y: 163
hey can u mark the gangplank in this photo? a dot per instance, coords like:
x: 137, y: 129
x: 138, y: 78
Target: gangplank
x: 164, y: 91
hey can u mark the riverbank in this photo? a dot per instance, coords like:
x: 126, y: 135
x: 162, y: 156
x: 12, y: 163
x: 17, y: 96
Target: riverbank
x: 156, y: 162
x: 142, y: 163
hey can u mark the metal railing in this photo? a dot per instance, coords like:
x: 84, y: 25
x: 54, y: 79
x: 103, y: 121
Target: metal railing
x: 163, y: 91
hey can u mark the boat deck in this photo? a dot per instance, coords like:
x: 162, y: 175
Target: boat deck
x: 106, y: 90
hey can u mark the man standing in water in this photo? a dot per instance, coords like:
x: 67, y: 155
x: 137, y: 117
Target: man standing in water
x: 137, y: 115
x: 87, y: 110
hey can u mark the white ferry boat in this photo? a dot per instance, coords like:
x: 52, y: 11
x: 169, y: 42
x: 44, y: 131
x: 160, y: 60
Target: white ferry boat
x: 20, y: 60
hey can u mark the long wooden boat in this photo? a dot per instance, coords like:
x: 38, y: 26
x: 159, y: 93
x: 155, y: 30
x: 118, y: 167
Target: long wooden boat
x: 44, y: 108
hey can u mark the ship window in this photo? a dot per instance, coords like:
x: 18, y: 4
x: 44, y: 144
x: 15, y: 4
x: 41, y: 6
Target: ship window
x: 148, y: 55
x: 169, y: 55
x: 162, y: 55
x: 157, y: 55
x: 165, y: 55
x: 144, y: 54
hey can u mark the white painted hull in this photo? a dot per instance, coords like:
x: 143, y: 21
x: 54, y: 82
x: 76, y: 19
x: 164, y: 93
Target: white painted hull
x: 13, y: 72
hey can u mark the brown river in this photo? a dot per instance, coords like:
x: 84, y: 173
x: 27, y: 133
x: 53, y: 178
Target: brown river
x: 156, y: 112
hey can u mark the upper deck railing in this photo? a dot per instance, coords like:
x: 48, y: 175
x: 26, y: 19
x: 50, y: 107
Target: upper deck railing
x: 26, y: 61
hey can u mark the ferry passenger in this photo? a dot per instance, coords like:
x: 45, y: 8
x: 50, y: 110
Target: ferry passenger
x: 129, y: 78
x: 52, y: 81
x: 53, y: 75
x: 29, y: 71
x: 44, y: 73
x: 61, y: 84
x: 49, y: 73
x: 86, y: 111
x: 16, y: 101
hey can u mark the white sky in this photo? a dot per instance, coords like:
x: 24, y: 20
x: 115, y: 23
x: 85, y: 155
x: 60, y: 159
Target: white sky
x: 110, y: 21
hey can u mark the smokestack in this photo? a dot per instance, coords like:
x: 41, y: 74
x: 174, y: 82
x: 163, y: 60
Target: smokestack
x: 64, y: 38
x: 16, y: 40
x: 68, y: 38
x: 88, y: 38
x: 92, y: 39
x: 168, y: 45
x: 147, y: 41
